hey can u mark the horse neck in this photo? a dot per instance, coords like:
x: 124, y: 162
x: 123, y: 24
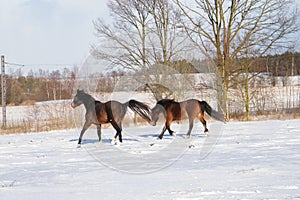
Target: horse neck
x: 163, y: 106
x: 89, y: 102
x: 160, y: 109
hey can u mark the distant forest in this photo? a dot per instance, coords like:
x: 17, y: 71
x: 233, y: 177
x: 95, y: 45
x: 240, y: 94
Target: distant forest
x: 59, y: 84
x: 287, y: 64
x: 40, y: 86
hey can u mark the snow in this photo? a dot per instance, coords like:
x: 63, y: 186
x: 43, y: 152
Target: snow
x: 238, y: 160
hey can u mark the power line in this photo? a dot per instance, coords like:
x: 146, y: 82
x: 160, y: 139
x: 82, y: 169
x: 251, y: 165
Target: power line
x: 41, y: 65
x: 62, y: 65
x: 14, y: 64
x: 3, y: 91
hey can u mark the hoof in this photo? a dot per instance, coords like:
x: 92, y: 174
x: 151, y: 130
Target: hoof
x: 152, y: 123
x: 113, y: 141
x: 187, y: 137
x: 118, y: 144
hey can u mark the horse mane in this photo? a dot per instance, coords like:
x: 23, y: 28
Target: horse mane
x: 165, y: 102
x: 85, y: 96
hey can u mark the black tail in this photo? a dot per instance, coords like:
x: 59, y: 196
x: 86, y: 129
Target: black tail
x: 211, y: 112
x: 140, y: 108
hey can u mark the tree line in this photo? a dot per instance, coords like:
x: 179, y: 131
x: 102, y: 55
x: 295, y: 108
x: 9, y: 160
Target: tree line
x: 46, y: 85
x: 43, y: 85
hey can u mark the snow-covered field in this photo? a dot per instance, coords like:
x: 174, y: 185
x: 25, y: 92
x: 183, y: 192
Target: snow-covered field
x: 239, y: 160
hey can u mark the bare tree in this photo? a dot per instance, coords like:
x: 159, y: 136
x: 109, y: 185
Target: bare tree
x: 55, y: 84
x: 225, y: 29
x: 166, y: 39
x: 143, y: 34
x: 125, y: 39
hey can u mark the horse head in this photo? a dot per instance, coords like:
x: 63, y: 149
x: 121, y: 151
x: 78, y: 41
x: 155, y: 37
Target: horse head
x: 77, y: 100
x: 155, y: 112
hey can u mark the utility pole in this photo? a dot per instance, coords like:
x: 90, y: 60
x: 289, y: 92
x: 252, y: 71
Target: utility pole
x: 293, y: 64
x: 3, y: 85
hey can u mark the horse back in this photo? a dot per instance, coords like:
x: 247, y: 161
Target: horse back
x: 181, y: 110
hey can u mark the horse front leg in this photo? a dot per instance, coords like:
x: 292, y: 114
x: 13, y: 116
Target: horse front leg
x: 99, y: 132
x: 162, y: 132
x: 172, y: 133
x: 85, y: 127
x: 168, y: 126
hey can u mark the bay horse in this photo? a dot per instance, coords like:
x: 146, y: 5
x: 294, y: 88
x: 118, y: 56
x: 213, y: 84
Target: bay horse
x: 190, y: 109
x: 112, y: 112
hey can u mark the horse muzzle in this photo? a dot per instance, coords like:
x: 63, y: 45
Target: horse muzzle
x: 153, y: 123
x: 73, y: 105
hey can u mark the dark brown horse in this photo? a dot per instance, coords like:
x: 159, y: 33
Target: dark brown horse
x: 189, y: 109
x: 113, y: 112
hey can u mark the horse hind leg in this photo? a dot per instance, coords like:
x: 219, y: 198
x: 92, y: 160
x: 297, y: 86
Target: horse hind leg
x: 202, y: 120
x: 191, y: 124
x: 99, y: 132
x: 120, y: 132
x: 118, y: 128
x: 120, y: 136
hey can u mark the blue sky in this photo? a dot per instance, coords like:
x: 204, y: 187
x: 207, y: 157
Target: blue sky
x: 49, y: 31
